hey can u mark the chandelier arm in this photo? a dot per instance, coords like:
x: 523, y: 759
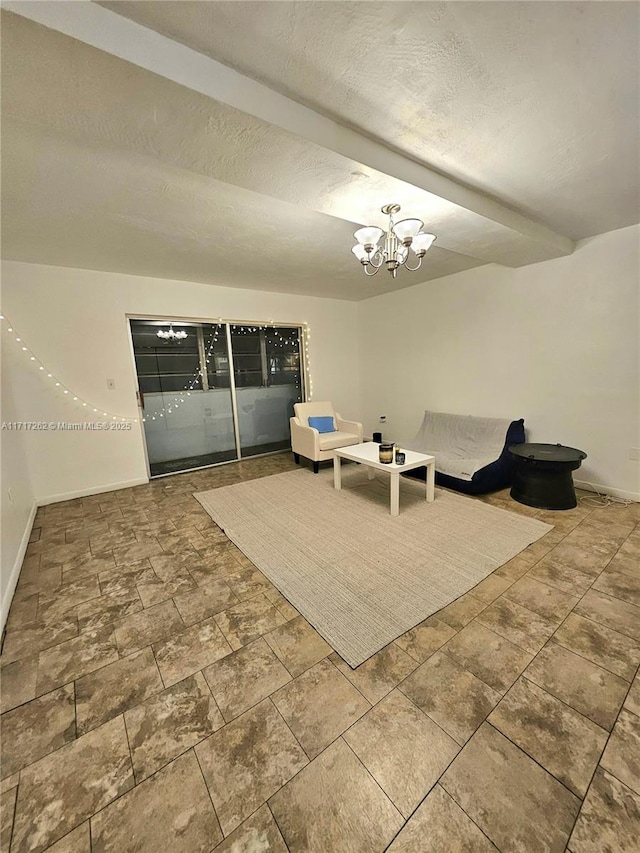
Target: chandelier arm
x: 375, y: 269
x: 413, y: 269
x: 381, y: 261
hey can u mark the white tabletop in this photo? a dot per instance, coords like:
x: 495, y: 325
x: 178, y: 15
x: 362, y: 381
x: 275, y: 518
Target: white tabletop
x: 369, y: 454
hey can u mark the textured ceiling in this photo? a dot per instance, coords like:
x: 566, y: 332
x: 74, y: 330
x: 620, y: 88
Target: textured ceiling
x: 107, y: 165
x: 535, y: 103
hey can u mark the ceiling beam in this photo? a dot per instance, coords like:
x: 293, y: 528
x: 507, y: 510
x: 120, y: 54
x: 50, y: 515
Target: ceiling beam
x: 114, y: 34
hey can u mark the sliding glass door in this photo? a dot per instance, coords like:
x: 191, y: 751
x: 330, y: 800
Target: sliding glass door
x: 216, y: 392
x: 268, y: 381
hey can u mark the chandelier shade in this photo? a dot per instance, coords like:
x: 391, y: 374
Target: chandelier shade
x: 397, y: 240
x: 170, y: 335
x: 369, y: 236
x: 407, y: 229
x: 421, y: 242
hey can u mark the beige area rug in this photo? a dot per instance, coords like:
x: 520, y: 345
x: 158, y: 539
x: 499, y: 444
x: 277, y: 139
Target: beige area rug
x: 359, y: 576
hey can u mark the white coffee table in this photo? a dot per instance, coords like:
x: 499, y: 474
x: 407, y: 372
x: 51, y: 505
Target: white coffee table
x: 368, y: 454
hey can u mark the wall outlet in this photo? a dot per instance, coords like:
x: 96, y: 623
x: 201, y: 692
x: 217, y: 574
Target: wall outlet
x: 634, y: 454
x: 10, y: 494
x: 383, y: 419
x: 111, y: 384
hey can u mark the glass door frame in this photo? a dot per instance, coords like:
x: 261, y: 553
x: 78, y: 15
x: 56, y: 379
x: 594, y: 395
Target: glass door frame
x: 303, y: 331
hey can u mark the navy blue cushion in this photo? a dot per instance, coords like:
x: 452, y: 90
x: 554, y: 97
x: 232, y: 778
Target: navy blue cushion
x: 493, y: 477
x: 324, y: 424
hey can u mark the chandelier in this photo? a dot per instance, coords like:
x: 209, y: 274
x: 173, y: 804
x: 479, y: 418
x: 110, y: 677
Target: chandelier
x: 170, y: 335
x: 400, y: 237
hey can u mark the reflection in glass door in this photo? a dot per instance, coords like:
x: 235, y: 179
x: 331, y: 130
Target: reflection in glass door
x: 268, y: 381
x: 193, y: 378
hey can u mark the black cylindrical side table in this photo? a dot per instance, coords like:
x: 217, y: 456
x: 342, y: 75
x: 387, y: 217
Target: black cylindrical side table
x: 542, y: 475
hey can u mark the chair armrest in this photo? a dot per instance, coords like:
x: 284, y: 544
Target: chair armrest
x: 349, y: 426
x: 304, y: 439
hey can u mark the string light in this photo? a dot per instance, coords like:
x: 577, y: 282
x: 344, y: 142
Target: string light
x: 57, y: 383
x: 282, y: 342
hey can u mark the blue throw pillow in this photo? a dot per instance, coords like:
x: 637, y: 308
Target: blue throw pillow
x: 323, y: 424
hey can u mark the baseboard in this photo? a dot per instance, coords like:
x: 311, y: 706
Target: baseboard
x: 7, y: 598
x: 607, y: 490
x: 95, y: 490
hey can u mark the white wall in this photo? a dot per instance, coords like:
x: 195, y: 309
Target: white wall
x: 554, y: 342
x: 17, y: 506
x: 75, y: 322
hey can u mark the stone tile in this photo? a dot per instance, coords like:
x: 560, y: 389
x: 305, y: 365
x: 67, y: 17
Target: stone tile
x: 298, y: 645
x: 124, y: 577
x: 245, y: 677
x: 452, y: 696
x: 561, y: 577
x: 248, y: 583
x: 108, y: 608
x: 626, y: 561
x: 65, y: 788
x: 189, y: 651
x: 249, y: 620
x: 620, y: 585
x: 331, y: 801
x: 170, y: 811
x: 77, y: 841
x: 515, y: 568
x: 446, y: 826
x: 42, y: 581
x: 247, y: 761
x: 154, y: 591
x: 7, y: 811
x: 319, y: 705
x: 378, y: 675
x: 517, y: 624
x: 517, y: 804
x: 131, y: 552
x: 170, y: 723
x: 404, y: 750
x: 490, y: 588
x: 622, y: 756
x: 109, y: 691
x: 138, y: 630
x: 560, y: 739
x: 601, y: 645
x: 75, y: 658
x: 83, y: 567
x: 547, y: 601
x: 173, y: 567
x: 258, y: 833
x: 425, y: 639
x: 51, y: 606
x: 205, y: 601
x: 285, y: 607
x: 56, y: 555
x: 488, y: 656
x: 10, y: 782
x: 609, y: 818
x: 37, y: 636
x: 37, y: 728
x: 595, y: 692
x: 632, y: 702
x: 18, y: 682
x: 24, y: 609
x: 459, y: 613
x: 612, y: 612
x: 586, y: 555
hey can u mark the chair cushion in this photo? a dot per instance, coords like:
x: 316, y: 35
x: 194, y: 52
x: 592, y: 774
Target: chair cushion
x: 323, y: 424
x: 331, y: 440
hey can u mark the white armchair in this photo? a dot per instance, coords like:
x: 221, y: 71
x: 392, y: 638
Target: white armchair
x: 308, y: 442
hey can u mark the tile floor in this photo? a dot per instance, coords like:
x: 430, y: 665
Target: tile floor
x: 158, y: 693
